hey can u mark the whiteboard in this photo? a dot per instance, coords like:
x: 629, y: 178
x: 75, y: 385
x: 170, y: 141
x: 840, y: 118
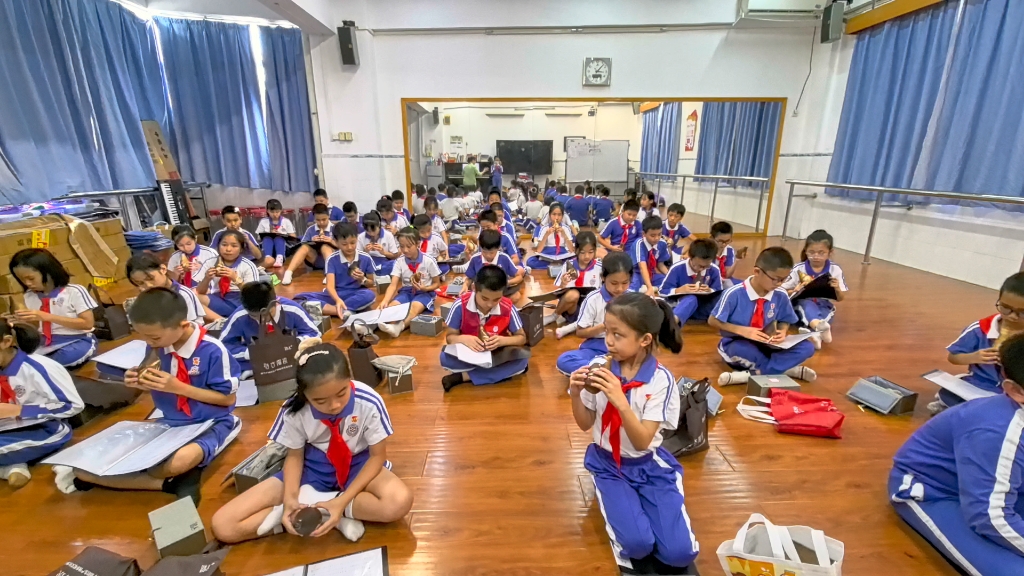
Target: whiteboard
x: 597, y: 160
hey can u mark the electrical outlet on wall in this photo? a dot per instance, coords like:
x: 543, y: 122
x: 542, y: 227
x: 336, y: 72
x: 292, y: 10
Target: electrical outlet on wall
x: 343, y: 137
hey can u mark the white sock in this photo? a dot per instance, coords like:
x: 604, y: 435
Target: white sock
x: 563, y: 331
x: 802, y: 373
x: 826, y: 336
x: 393, y: 329
x: 287, y: 278
x: 17, y: 474
x: 560, y: 320
x: 737, y: 377
x: 64, y: 478
x: 279, y: 261
x: 550, y: 319
x: 460, y: 269
x: 272, y: 523
x: 351, y: 528
x: 816, y: 339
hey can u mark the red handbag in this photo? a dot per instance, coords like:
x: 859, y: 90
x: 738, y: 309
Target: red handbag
x: 795, y: 413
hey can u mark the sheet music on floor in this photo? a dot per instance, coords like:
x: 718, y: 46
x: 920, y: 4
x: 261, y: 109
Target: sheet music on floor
x: 792, y: 340
x: 247, y: 395
x: 556, y: 258
x: 125, y: 356
x: 127, y: 447
x: 373, y: 562
x: 957, y: 386
x: 392, y: 314
x: 487, y: 359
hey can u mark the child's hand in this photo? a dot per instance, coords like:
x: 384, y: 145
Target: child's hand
x: 834, y: 282
x: 10, y: 411
x: 357, y: 275
x: 616, y: 248
x: 180, y: 270
x: 492, y: 342
x: 986, y: 356
x: 577, y: 380
x: 154, y: 379
x: 340, y: 305
x: 472, y: 342
x: 131, y: 378
x: 777, y: 338
x: 688, y: 289
x: 29, y: 315
x: 383, y: 304
x: 336, y: 507
x: 290, y: 508
x: 754, y: 334
x: 606, y: 382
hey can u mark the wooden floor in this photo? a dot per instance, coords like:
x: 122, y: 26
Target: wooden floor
x: 498, y: 473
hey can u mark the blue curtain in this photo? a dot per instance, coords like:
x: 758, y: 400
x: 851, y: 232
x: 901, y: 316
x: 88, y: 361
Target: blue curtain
x: 659, y: 141
x: 70, y: 98
x: 935, y: 105
x: 289, y: 127
x: 216, y: 110
x: 738, y: 139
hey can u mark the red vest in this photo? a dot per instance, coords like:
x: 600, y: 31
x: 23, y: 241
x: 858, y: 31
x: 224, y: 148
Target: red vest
x: 496, y: 324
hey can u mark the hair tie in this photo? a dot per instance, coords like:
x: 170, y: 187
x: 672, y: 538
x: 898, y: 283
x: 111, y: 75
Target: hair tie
x: 305, y: 357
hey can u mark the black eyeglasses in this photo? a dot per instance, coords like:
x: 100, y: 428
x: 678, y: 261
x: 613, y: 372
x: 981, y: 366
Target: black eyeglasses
x: 1005, y: 310
x: 773, y: 278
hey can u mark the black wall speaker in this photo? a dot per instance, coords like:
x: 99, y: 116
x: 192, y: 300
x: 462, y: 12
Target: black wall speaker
x: 347, y: 39
x: 436, y: 116
x: 832, y: 24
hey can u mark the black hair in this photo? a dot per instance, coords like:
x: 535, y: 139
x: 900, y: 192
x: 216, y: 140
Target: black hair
x: 229, y: 209
x: 647, y: 194
x: 631, y: 205
x: 1014, y: 285
x: 409, y: 233
x: 420, y: 190
x: 385, y: 205
x: 677, y: 208
x: 646, y: 315
x: 159, y: 307
x: 579, y: 189
x: 534, y: 194
x: 420, y: 220
x: 703, y: 248
x: 344, y: 230
x: 584, y: 239
x: 257, y: 296
x: 774, y: 258
x: 1011, y: 358
x: 26, y: 336
x: 230, y: 233
x: 563, y: 189
x: 430, y: 203
x: 496, y: 206
x: 318, y: 363
x: 651, y: 223
x: 491, y: 278
x: 615, y: 262
x: 349, y: 207
x: 274, y: 204
x: 630, y: 194
x: 320, y: 193
x: 605, y: 191
x: 548, y: 200
x: 397, y: 195
x: 320, y: 209
x: 490, y: 239
x: 182, y: 231
x: 41, y: 261
x: 432, y: 193
x: 720, y: 229
x: 144, y: 262
x: 488, y: 216
x: 494, y: 192
x: 371, y: 220
x: 556, y: 205
x: 816, y: 237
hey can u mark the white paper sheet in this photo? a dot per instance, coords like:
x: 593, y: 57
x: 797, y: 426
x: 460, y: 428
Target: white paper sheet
x: 298, y: 571
x: 246, y: 394
x: 957, y: 386
x: 392, y: 314
x: 44, y: 350
x: 462, y: 352
x: 125, y: 356
x: 368, y: 563
x: 558, y: 258
x: 127, y: 447
x: 792, y: 340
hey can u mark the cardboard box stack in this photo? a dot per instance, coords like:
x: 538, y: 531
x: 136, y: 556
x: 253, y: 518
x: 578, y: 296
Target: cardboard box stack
x: 86, y: 256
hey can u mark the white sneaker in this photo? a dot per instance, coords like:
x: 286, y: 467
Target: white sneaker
x: 64, y: 478
x: 17, y: 475
x: 815, y: 340
x: 737, y: 377
x: 563, y: 331
x: 351, y: 528
x: 279, y: 261
x: 393, y: 329
x: 287, y: 278
x: 550, y: 319
x: 802, y: 373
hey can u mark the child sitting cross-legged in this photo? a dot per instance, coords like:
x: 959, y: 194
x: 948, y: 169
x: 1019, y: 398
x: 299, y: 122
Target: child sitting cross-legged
x: 350, y: 276
x: 414, y: 279
x: 263, y: 310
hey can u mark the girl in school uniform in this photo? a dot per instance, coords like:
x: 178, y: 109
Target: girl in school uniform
x: 37, y: 395
x: 413, y: 281
x: 145, y: 272
x: 220, y: 279
x: 379, y: 243
x: 816, y: 260
x: 274, y: 247
x: 62, y: 310
x: 616, y: 274
x: 336, y: 431
x: 583, y: 271
x: 551, y: 240
x: 639, y: 484
x: 183, y: 264
x: 430, y: 242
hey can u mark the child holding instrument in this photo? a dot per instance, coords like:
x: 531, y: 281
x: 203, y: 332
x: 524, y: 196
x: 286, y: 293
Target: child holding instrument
x: 350, y: 277
x: 431, y: 242
x: 622, y: 232
x: 629, y: 402
x: 194, y: 381
x: 551, y: 240
x: 379, y: 243
x: 232, y: 219
x: 274, y: 247
x: 676, y: 235
x: 491, y: 255
x: 262, y: 309
x: 697, y: 280
x: 220, y: 279
x: 190, y: 255
x: 616, y: 273
x: 318, y: 243
x: 815, y: 261
x: 583, y: 271
x: 651, y: 258
x: 145, y: 272
x: 336, y: 431
x: 62, y: 310
x: 414, y: 279
x: 721, y: 233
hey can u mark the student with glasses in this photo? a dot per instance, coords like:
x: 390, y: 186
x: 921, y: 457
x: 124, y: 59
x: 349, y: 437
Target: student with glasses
x: 756, y: 314
x: 977, y: 346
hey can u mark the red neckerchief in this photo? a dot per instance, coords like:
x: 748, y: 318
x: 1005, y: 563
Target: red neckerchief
x: 583, y: 273
x: 424, y: 245
x: 721, y: 265
x: 225, y: 283
x: 187, y: 279
x: 757, y: 318
x: 338, y: 452
x: 413, y: 266
x: 44, y: 306
x: 182, y: 373
x: 671, y: 233
x: 7, y: 395
x: 611, y: 420
x: 652, y: 260
x: 558, y: 239
x: 625, y: 233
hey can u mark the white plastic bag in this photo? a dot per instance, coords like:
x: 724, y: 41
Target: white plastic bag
x: 764, y: 549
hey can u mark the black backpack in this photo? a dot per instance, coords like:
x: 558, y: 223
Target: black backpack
x: 691, y: 433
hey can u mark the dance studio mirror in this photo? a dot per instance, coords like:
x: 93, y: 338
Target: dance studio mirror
x: 717, y: 157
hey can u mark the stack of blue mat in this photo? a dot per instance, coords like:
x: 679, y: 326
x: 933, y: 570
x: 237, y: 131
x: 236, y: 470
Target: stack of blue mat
x: 143, y: 240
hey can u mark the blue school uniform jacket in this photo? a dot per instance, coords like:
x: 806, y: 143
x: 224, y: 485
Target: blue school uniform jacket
x: 241, y: 329
x: 501, y: 260
x: 578, y: 209
x: 681, y: 274
x: 738, y: 303
x: 980, y: 336
x: 616, y: 230
x: 641, y: 253
x: 210, y: 366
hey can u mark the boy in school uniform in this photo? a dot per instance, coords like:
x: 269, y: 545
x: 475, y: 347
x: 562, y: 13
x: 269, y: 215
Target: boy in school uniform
x: 262, y: 307
x: 563, y: 195
x: 977, y: 347
x: 489, y: 221
x: 232, y: 219
x: 676, y: 235
x: 195, y: 382
x: 491, y: 255
x: 603, y: 207
x: 441, y: 192
x: 145, y: 272
x: 352, y: 215
x: 379, y: 243
x: 651, y: 258
x: 398, y: 201
x: 485, y: 310
x: 957, y: 480
x: 389, y: 219
x: 274, y: 247
x: 319, y: 233
x: 721, y: 233
x: 697, y: 280
x: 350, y: 276
x: 577, y: 208
x: 620, y: 233
x: 320, y: 197
x: 747, y: 310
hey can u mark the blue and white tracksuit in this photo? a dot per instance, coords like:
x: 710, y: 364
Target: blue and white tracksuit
x: 47, y: 396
